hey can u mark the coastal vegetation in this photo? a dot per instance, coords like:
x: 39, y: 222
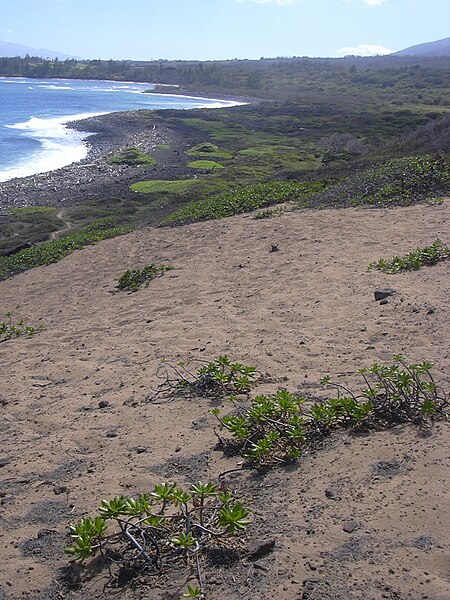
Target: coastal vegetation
x: 317, y: 132
x: 370, y: 132
x: 52, y: 251
x: 158, y: 531
x: 133, y: 279
x: 242, y: 200
x: 10, y: 329
x: 132, y: 157
x: 420, y: 257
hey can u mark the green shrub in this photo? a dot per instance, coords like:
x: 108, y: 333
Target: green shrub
x: 132, y: 279
x: 215, y: 379
x: 429, y: 255
x: 402, y: 181
x: 9, y: 329
x: 132, y: 157
x: 279, y: 428
x: 155, y: 532
x: 210, y: 150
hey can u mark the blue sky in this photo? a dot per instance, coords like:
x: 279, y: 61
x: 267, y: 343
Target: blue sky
x: 222, y: 29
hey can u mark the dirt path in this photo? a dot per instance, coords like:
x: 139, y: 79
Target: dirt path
x: 67, y: 226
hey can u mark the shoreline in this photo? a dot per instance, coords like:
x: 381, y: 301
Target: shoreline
x: 92, y: 176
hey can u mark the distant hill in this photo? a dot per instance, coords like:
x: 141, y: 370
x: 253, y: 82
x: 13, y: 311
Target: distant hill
x: 438, y: 48
x: 9, y: 50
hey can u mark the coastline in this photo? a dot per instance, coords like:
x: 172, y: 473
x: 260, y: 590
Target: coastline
x: 93, y: 177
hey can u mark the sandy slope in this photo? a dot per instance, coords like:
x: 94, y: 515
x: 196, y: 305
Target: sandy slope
x: 298, y: 313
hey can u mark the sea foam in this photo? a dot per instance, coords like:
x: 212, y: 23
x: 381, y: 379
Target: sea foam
x: 58, y: 145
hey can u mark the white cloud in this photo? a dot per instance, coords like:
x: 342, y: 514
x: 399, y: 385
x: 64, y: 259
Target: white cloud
x: 364, y: 50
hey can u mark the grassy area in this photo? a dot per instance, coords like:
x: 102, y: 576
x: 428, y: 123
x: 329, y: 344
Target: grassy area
x: 204, y: 164
x: 132, y: 157
x: 55, y: 250
x: 208, y: 150
x: 242, y: 200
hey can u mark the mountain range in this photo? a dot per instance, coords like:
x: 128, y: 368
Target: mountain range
x: 437, y: 48
x: 9, y: 49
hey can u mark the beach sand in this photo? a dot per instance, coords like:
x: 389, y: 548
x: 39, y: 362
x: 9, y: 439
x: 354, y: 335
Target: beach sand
x: 298, y: 313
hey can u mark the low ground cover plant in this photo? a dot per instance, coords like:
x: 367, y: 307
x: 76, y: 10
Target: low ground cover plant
x: 170, y: 527
x: 242, y: 200
x: 215, y: 379
x: 133, y: 279
x: 279, y: 428
x: 426, y: 256
x: 208, y: 150
x: 401, y: 181
x: 54, y: 250
x: 10, y: 329
x: 132, y: 157
x: 205, y: 164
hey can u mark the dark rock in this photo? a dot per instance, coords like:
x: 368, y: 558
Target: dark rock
x: 259, y: 548
x: 60, y: 489
x: 274, y: 248
x: 382, y: 293
x: 384, y: 301
x: 350, y: 526
x: 111, y: 434
x: 103, y: 404
x: 141, y: 449
x: 4, y: 462
x: 332, y: 494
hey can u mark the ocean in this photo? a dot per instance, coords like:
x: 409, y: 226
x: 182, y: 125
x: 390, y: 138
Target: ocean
x: 34, y: 112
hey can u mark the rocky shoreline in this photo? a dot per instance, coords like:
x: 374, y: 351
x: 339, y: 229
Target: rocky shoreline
x: 94, y: 177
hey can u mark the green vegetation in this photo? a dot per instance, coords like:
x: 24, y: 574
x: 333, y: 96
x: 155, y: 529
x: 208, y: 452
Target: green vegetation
x: 52, y: 251
x: 402, y: 181
x: 216, y: 379
x: 206, y: 149
x: 154, y: 533
x: 132, y: 157
x: 162, y: 186
x: 429, y: 255
x: 242, y: 200
x: 269, y: 212
x: 27, y: 225
x: 9, y: 329
x: 133, y: 279
x: 204, y: 164
x: 279, y: 428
